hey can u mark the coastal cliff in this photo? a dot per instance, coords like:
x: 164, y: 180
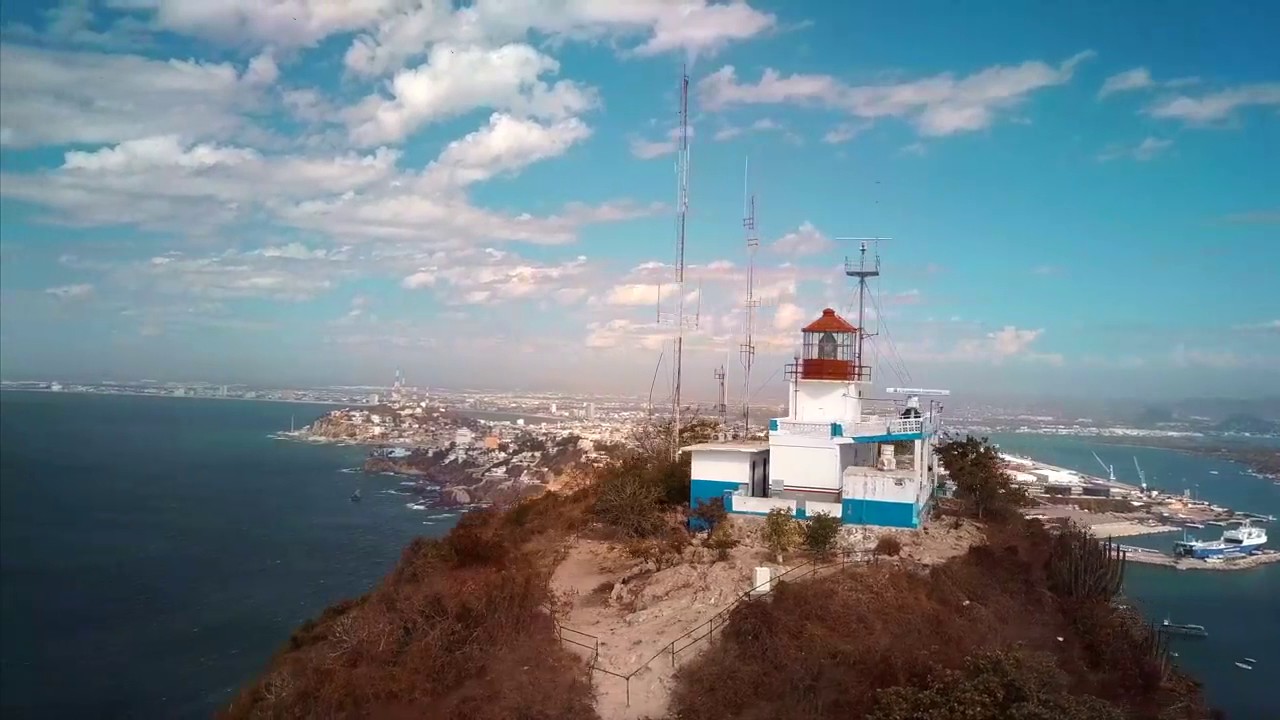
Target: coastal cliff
x: 1017, y: 622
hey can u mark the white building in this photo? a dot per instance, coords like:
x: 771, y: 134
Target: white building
x: 834, y: 452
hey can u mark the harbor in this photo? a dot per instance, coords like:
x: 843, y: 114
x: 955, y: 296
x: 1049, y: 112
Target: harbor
x: 1227, y: 539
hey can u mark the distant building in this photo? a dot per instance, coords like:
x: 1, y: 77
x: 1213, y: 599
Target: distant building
x: 373, y: 399
x: 491, y: 442
x: 591, y: 411
x: 520, y: 422
x: 553, y: 408
x: 833, y: 452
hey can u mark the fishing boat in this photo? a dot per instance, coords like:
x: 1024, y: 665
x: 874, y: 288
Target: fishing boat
x: 355, y: 496
x: 1243, y: 666
x: 1174, y: 628
x: 1239, y: 541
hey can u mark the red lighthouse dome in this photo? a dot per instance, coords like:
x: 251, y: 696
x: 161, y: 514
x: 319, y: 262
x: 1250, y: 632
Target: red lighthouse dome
x: 829, y: 350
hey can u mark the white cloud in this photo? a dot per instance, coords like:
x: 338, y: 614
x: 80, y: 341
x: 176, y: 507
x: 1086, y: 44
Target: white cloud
x: 937, y: 105
x: 789, y: 317
x: 649, y: 149
x: 805, y: 240
x: 162, y: 182
x: 640, y: 294
x: 281, y: 23
x: 691, y: 26
x: 70, y: 292
x: 1009, y: 340
x: 478, y: 277
x: 844, y: 132
x: 292, y: 272
x: 729, y: 132
x: 1148, y: 149
x: 1135, y: 79
x: 1139, y: 78
x: 50, y: 97
x: 457, y: 79
x: 507, y: 144
x: 1266, y: 326
x: 1216, y: 107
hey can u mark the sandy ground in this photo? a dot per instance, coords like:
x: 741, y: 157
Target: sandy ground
x: 635, y: 611
x: 1106, y: 524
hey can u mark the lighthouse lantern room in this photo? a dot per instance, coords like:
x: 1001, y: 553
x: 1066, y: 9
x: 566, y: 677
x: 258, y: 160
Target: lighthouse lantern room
x: 835, y: 452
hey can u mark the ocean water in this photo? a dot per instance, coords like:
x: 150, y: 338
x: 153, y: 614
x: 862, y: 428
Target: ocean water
x: 1239, y: 609
x: 156, y: 552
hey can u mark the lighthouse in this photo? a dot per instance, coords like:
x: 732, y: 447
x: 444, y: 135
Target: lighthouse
x: 839, y: 450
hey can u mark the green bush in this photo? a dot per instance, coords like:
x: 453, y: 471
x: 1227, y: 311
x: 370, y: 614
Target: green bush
x: 781, y: 531
x: 821, y: 533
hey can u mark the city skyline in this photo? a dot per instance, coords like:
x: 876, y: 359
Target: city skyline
x: 267, y: 193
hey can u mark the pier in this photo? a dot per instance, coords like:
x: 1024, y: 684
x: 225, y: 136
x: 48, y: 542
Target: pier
x: 1147, y: 556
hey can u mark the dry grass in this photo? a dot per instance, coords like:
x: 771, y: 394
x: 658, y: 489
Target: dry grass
x: 827, y: 645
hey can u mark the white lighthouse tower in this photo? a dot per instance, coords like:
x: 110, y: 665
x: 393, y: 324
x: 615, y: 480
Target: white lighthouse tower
x: 839, y: 450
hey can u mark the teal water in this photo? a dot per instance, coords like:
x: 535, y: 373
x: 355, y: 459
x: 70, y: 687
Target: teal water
x: 1240, y: 609
x: 157, y: 551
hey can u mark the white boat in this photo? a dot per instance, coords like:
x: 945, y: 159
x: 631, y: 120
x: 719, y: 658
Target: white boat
x: 1243, y: 666
x: 1239, y: 541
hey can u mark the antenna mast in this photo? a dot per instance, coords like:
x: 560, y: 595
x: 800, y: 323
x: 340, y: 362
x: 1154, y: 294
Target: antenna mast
x: 748, y: 348
x: 722, y: 401
x: 863, y: 270
x: 682, y: 211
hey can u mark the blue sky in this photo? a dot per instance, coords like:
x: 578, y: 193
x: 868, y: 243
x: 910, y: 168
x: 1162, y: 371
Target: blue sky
x: 1084, y: 198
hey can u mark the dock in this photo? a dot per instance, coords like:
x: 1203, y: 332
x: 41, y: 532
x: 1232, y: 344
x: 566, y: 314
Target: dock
x: 1152, y: 557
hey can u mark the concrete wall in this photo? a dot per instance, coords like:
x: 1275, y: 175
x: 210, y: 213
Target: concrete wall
x: 876, y: 512
x: 810, y: 466
x: 824, y: 401
x: 724, y: 465
x: 760, y: 506
x: 834, y: 509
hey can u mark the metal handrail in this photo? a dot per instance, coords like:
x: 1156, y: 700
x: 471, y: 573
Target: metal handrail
x: 718, y: 620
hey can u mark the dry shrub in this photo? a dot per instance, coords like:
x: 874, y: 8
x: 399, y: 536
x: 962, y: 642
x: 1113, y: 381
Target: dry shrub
x: 828, y: 644
x: 660, y: 552
x: 888, y: 545
x: 460, y: 629
x: 722, y: 540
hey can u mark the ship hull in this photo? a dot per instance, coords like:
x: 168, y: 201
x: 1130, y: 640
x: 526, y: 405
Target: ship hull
x: 1214, y: 549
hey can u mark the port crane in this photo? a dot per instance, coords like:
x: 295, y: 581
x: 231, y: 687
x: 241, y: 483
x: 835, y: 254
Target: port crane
x: 1142, y: 476
x: 1110, y: 469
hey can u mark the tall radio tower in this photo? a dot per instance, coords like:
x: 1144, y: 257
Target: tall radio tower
x: 682, y: 211
x: 748, y: 348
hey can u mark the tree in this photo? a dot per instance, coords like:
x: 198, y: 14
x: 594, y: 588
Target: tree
x: 976, y: 469
x: 781, y: 531
x: 821, y: 533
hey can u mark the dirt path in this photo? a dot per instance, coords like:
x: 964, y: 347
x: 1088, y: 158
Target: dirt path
x: 635, y: 612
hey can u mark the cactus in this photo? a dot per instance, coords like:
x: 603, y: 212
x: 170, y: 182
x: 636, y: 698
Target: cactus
x: 1082, y: 568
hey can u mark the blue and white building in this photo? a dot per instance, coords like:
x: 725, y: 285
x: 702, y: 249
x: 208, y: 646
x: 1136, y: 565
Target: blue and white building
x: 835, y: 451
